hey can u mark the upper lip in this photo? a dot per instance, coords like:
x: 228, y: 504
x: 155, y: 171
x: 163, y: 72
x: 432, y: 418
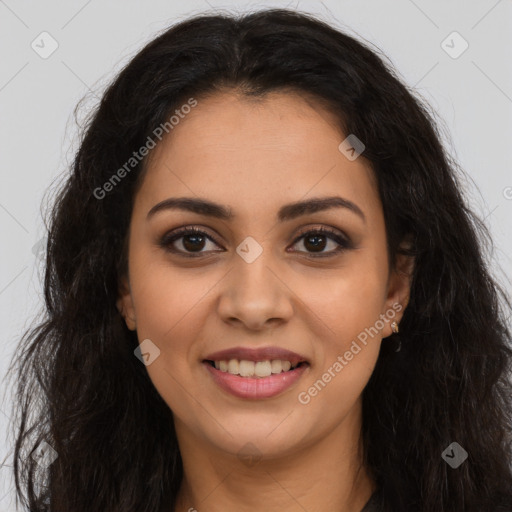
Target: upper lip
x: 256, y: 354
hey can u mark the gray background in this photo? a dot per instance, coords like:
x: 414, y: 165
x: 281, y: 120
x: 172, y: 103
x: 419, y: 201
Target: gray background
x: 472, y: 95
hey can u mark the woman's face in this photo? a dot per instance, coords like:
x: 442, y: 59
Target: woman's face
x: 251, y: 284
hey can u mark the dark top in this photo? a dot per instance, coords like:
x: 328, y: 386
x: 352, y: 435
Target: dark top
x: 371, y: 505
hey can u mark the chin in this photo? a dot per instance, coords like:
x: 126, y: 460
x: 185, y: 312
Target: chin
x: 259, y: 440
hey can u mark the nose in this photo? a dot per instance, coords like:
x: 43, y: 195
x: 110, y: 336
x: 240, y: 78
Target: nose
x: 254, y: 295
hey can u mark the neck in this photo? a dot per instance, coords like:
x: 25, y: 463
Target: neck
x: 314, y: 477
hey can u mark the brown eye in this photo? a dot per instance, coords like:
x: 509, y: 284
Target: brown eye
x: 193, y: 242
x: 315, y: 241
x: 192, y: 239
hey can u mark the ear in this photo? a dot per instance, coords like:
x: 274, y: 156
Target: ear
x: 399, y: 287
x: 125, y: 304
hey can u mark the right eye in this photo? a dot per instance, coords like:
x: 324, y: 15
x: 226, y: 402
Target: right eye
x: 191, y: 239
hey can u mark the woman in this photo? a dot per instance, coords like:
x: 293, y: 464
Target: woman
x: 264, y: 291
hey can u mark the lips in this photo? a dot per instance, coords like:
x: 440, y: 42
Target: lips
x: 259, y: 354
x: 256, y: 388
x: 264, y: 386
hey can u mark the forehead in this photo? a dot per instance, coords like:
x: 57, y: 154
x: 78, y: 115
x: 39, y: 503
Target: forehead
x: 256, y: 153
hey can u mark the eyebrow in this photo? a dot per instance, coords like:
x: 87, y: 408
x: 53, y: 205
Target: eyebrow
x: 287, y: 212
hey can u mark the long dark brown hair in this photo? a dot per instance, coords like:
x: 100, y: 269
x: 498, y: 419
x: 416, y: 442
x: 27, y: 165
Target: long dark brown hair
x: 81, y: 390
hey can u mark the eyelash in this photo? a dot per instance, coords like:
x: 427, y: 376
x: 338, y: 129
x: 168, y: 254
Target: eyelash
x: 168, y: 239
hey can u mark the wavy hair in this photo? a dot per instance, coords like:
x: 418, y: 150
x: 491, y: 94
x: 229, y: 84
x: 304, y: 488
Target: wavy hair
x: 81, y: 390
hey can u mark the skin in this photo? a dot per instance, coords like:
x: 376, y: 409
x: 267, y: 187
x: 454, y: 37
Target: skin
x: 254, y: 157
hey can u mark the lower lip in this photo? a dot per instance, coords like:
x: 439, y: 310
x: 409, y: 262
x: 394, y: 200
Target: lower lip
x: 256, y: 388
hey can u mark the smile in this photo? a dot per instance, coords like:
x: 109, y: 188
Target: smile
x: 246, y: 368
x: 255, y: 380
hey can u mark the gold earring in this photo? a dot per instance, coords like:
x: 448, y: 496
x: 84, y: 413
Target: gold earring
x: 394, y: 327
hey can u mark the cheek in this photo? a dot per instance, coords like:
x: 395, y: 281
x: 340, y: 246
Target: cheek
x: 170, y: 310
x: 347, y: 351
x: 346, y: 300
x: 347, y: 340
x: 165, y: 298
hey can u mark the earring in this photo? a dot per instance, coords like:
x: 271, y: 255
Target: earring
x: 394, y: 328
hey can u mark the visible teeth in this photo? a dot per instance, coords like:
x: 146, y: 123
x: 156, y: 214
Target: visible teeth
x: 233, y: 366
x: 246, y: 368
x: 276, y: 365
x: 286, y: 365
x: 262, y: 369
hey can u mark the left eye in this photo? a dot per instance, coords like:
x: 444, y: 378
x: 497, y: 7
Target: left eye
x: 193, y: 241
x: 317, y: 239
